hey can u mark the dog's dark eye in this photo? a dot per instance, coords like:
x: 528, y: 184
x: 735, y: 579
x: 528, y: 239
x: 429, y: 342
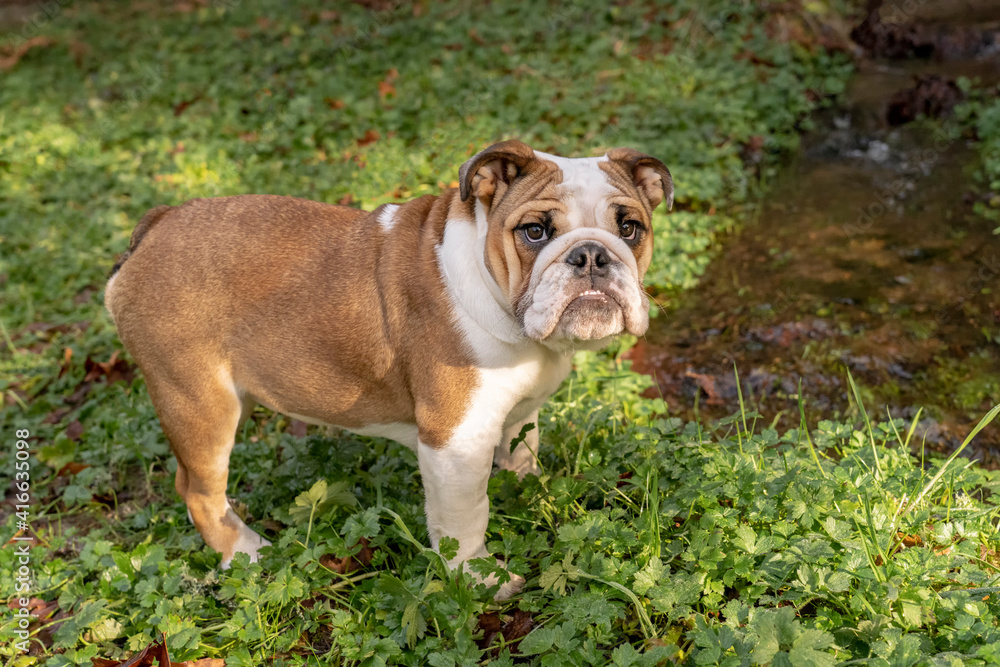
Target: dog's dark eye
x: 535, y: 233
x: 628, y: 229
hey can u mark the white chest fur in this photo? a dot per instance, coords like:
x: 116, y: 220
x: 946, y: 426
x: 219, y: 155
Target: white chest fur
x: 516, y: 374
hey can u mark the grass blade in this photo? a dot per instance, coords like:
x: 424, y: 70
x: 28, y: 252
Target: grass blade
x: 803, y: 428
x: 868, y: 424
x: 983, y: 423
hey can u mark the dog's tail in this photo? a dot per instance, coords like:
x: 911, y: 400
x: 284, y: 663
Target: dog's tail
x: 152, y: 216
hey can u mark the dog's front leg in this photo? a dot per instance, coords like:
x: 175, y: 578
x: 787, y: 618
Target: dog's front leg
x: 455, y: 478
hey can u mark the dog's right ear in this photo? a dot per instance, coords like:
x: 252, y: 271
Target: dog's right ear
x: 500, y: 163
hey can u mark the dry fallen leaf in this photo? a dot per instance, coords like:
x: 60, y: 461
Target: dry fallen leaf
x: 371, y: 136
x: 113, y: 370
x: 156, y: 651
x: 72, y: 467
x: 74, y: 431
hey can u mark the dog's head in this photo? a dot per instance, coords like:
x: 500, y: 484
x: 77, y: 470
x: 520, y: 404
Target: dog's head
x: 568, y: 241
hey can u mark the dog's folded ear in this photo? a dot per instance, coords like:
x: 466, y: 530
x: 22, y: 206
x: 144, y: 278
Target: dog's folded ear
x: 649, y: 174
x: 500, y: 163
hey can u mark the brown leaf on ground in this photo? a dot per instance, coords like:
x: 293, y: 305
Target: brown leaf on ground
x: 67, y: 360
x: 517, y: 628
x: 74, y: 430
x: 182, y: 106
x: 47, y: 617
x: 38, y: 607
x: 623, y: 479
x: 705, y: 383
x: 72, y: 467
x: 334, y: 104
x: 385, y: 87
x: 371, y: 136
x: 204, y: 662
x: 113, y: 370
x: 56, y: 416
x: 349, y: 564
x: 14, y: 55
x: 490, y: 624
x: 156, y: 651
x: 476, y: 37
x: 513, y: 630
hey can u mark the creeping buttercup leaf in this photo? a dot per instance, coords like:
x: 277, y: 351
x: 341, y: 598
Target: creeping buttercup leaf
x: 557, y: 575
x: 320, y: 498
x: 448, y: 547
x: 539, y: 641
x: 519, y: 438
x: 649, y: 576
x: 364, y: 524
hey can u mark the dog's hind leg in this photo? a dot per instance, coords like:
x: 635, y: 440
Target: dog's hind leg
x: 200, y: 419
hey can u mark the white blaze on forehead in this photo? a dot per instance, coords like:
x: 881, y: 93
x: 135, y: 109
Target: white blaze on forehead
x: 387, y: 218
x: 584, y: 186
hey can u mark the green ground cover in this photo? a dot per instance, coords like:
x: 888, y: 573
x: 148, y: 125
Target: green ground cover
x: 645, y: 541
x: 982, y: 114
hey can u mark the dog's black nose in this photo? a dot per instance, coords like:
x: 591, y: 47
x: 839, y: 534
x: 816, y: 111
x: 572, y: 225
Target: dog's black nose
x: 589, y: 258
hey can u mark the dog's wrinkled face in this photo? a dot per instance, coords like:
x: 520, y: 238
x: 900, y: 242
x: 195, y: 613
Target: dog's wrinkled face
x: 569, y: 240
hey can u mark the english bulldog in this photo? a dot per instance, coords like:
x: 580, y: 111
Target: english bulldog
x: 442, y: 323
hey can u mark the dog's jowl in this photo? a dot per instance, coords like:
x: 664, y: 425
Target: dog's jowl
x: 443, y: 322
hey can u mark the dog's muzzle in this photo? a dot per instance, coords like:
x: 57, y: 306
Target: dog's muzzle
x: 586, y: 290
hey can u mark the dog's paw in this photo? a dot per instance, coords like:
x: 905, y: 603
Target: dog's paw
x: 510, y: 589
x: 248, y: 543
x: 507, y: 589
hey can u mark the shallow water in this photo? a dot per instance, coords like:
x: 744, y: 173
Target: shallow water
x: 864, y: 254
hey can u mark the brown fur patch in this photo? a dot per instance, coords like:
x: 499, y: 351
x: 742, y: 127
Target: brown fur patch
x: 532, y: 194
x: 312, y: 308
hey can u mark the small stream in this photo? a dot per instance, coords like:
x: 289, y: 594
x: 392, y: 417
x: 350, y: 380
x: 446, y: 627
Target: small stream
x: 864, y: 254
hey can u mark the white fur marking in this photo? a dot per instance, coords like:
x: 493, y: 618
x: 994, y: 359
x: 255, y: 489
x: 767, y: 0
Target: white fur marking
x: 387, y: 218
x: 584, y: 187
x: 482, y: 313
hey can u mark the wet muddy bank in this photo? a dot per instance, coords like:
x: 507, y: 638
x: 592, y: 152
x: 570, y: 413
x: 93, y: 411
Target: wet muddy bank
x: 864, y: 254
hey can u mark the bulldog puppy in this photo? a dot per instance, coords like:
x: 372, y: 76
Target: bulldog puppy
x: 442, y: 323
